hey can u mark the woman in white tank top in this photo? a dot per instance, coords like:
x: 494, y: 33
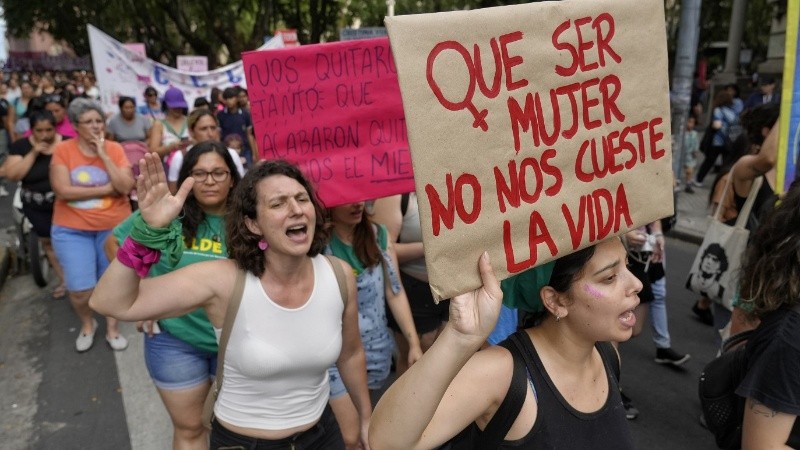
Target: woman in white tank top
x: 292, y: 323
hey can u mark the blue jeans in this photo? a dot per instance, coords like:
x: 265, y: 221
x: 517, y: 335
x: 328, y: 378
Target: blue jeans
x: 658, y: 313
x: 324, y: 435
x: 175, y: 365
x: 81, y: 255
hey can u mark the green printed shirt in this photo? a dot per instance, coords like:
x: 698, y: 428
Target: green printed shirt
x: 209, y: 244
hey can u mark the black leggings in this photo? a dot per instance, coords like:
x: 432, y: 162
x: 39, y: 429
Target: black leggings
x: 711, y: 157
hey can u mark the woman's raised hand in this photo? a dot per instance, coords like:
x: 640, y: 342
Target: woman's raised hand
x: 475, y: 313
x: 157, y: 205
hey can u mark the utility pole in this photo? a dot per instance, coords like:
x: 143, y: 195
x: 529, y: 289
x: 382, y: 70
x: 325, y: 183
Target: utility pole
x: 683, y: 77
x: 735, y: 32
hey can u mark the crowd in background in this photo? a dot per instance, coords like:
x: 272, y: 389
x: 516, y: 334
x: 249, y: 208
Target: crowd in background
x: 170, y: 201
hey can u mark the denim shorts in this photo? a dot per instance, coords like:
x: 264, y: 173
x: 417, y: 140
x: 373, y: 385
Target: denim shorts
x: 375, y: 378
x: 324, y: 435
x: 81, y: 256
x: 174, y: 364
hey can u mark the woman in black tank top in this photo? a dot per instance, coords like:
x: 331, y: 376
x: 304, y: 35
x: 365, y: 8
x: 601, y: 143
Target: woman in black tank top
x: 762, y: 126
x: 559, y: 374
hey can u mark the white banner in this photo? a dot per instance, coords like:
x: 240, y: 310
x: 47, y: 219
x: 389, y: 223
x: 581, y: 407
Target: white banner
x: 121, y: 72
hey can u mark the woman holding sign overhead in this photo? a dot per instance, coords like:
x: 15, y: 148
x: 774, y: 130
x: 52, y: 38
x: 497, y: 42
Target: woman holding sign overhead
x: 568, y: 396
x: 296, y: 310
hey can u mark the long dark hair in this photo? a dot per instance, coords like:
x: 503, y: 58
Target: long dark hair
x: 770, y: 275
x: 365, y: 244
x: 193, y: 213
x: 242, y: 243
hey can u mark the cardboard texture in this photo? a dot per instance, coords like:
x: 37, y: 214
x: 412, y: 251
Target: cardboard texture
x: 335, y: 111
x: 535, y: 130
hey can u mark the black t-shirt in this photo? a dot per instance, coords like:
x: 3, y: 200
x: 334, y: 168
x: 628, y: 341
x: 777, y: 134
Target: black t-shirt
x: 773, y: 375
x: 38, y: 178
x: 3, y: 112
x: 235, y: 123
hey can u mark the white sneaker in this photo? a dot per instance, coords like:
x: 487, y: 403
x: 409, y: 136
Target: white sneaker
x: 3, y: 191
x: 118, y: 343
x: 85, y: 341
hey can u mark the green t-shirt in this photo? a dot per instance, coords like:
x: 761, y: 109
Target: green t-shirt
x: 345, y: 251
x: 193, y: 328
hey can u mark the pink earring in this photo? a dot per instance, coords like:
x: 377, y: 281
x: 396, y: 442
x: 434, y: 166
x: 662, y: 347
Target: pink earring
x: 262, y: 244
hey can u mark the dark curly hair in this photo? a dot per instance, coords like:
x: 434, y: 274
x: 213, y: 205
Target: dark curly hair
x: 770, y: 276
x: 242, y: 243
x: 193, y: 214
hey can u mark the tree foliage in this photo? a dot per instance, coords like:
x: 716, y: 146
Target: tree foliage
x: 218, y: 30
x: 222, y: 30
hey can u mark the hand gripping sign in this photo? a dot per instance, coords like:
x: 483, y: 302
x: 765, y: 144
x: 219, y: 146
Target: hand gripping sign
x: 334, y: 110
x: 535, y: 130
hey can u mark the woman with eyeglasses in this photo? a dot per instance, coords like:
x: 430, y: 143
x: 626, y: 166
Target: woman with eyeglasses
x: 91, y: 178
x: 29, y: 162
x: 203, y: 127
x: 181, y: 352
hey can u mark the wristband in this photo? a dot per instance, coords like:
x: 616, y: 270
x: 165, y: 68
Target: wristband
x: 167, y: 240
x: 138, y: 257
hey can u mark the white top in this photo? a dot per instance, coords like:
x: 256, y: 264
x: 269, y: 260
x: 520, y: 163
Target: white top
x: 277, y: 360
x: 177, y: 162
x: 411, y: 231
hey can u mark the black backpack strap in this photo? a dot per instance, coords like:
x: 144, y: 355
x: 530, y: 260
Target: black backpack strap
x: 497, y: 428
x: 608, y: 353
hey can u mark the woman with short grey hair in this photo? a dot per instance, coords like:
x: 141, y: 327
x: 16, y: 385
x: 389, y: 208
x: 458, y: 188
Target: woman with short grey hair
x: 91, y: 178
x: 81, y: 106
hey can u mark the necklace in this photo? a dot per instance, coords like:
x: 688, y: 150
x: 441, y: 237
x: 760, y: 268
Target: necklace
x: 216, y: 235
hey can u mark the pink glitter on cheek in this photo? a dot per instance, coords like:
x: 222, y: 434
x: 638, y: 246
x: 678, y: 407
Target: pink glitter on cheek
x: 591, y: 290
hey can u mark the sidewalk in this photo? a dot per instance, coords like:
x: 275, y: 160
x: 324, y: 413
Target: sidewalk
x: 693, y: 213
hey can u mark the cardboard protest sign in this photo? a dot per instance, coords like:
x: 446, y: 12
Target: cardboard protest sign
x: 335, y: 110
x: 535, y: 130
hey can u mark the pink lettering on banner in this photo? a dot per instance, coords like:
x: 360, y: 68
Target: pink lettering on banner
x: 334, y: 110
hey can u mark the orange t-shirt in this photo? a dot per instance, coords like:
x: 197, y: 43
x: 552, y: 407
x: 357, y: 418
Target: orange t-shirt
x: 93, y: 214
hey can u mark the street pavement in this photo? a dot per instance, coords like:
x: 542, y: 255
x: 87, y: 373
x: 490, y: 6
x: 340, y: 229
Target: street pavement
x: 54, y: 398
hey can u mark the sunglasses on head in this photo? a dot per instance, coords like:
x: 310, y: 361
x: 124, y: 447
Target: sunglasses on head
x: 53, y: 98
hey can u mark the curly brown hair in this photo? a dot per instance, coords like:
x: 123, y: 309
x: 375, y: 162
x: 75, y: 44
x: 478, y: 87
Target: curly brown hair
x: 242, y: 243
x: 771, y: 270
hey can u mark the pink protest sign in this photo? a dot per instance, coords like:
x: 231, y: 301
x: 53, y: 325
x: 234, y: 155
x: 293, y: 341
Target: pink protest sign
x: 335, y: 110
